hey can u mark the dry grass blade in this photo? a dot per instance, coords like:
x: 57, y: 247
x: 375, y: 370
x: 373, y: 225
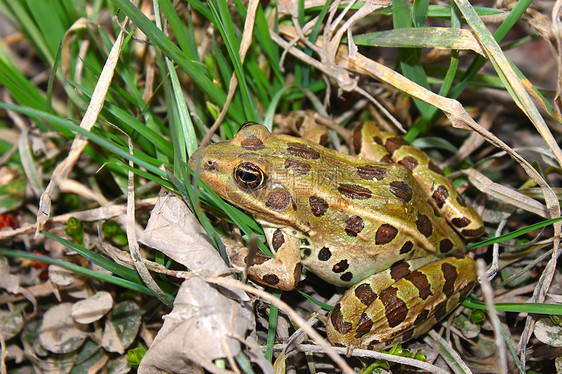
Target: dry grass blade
x: 505, y: 193
x: 508, y: 75
x: 452, y: 108
x: 64, y: 169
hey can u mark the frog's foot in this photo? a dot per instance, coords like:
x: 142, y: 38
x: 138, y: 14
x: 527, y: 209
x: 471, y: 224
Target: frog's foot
x: 400, y: 304
x: 281, y: 272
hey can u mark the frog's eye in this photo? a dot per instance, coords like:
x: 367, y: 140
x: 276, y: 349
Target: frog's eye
x: 249, y: 176
x: 247, y: 124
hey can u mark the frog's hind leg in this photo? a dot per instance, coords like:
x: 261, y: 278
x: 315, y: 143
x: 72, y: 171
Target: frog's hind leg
x: 282, y: 271
x: 371, y: 143
x: 399, y: 304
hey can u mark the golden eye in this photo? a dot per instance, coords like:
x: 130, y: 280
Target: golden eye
x: 249, y: 176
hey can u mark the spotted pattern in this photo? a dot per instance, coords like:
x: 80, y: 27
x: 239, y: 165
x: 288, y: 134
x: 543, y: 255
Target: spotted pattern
x: 303, y: 151
x: 463, y: 292
x: 434, y: 168
x: 365, y: 294
x: 450, y: 274
x: 408, y: 334
x: 277, y: 239
x: 324, y: 254
x: 392, y: 144
x: 460, y: 222
x: 340, y: 267
x: 338, y: 322
x: 440, y: 310
x: 421, y: 317
x: 318, y: 206
x: 424, y: 226
x: 354, y: 225
x: 475, y: 233
x: 278, y: 200
x: 346, y: 277
x: 420, y: 281
x: 364, y: 325
x: 395, y: 309
x: 299, y: 167
x: 401, y: 190
x: 271, y: 279
x: 440, y: 196
x: 410, y: 162
x: 385, y: 234
x: 399, y: 270
x: 252, y: 143
x: 445, y: 245
x: 357, y: 141
x: 370, y: 172
x: 461, y: 201
x: 407, y: 247
x: 386, y: 159
x: 354, y: 191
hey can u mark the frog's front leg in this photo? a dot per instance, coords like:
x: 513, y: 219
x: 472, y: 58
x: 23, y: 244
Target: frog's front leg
x: 400, y: 303
x: 282, y: 271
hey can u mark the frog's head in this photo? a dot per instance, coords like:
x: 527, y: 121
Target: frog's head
x: 249, y: 171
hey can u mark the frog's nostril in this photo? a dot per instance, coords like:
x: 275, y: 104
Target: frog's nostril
x: 210, y: 165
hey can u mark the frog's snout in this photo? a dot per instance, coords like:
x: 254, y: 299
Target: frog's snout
x: 203, y: 164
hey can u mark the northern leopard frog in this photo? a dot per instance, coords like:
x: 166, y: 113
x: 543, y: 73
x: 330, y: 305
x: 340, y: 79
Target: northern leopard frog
x: 373, y: 222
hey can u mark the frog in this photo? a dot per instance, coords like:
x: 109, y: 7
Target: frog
x: 384, y: 222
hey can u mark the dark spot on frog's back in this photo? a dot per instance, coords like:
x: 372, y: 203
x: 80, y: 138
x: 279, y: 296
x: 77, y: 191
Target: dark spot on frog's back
x: 409, y: 162
x: 385, y: 234
x: 445, y: 245
x: 399, y: 270
x: 278, y: 200
x: 354, y: 191
x: 386, y: 159
x: 354, y: 225
x: 318, y: 206
x: 475, y: 233
x: 252, y: 143
x: 460, y: 222
x: 299, y: 167
x: 440, y: 195
x: 393, y: 143
x: 401, y: 190
x: 434, y: 168
x: 336, y: 317
x: 424, y: 225
x: 365, y: 294
x: 346, y: 277
x: 407, y: 247
x: 370, y: 172
x: 303, y: 151
x: 357, y: 140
